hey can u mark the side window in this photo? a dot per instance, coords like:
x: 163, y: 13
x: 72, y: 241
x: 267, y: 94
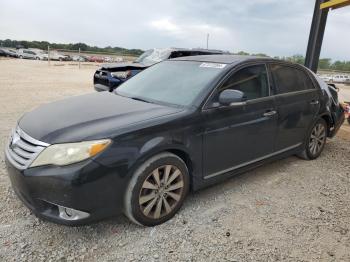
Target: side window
x: 252, y: 81
x: 290, y: 79
x: 307, y: 81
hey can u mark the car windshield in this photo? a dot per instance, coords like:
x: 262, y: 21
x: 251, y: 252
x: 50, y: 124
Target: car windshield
x: 153, y: 56
x: 171, y: 82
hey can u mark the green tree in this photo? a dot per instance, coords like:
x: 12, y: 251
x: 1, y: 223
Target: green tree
x: 324, y: 63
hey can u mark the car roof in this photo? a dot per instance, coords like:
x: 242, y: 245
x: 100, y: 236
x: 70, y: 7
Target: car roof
x: 178, y: 49
x: 223, y: 59
x: 198, y: 50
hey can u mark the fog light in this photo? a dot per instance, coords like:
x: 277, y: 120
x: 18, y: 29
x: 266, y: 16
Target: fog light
x: 67, y: 213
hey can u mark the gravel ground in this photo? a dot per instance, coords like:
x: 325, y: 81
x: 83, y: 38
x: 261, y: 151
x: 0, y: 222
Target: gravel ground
x: 290, y: 210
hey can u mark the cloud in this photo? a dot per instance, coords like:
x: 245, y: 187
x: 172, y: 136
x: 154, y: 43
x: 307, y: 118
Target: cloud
x: 192, y: 32
x: 274, y: 27
x: 165, y: 25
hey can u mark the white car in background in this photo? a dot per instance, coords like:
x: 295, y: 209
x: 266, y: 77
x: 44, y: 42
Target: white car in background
x: 343, y: 79
x: 119, y: 59
x: 326, y: 78
x: 54, y: 55
x: 25, y: 54
x: 39, y: 54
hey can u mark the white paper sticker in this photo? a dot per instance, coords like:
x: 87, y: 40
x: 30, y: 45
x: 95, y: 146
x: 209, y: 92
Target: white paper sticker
x: 212, y: 65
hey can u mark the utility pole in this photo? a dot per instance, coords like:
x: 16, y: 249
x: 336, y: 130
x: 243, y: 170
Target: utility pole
x: 207, y: 41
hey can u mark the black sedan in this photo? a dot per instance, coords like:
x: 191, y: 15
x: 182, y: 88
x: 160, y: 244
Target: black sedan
x: 110, y: 76
x: 180, y: 125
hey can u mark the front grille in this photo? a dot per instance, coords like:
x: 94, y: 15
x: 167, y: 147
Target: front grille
x: 22, y: 149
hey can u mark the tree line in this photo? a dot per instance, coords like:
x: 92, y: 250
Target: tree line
x: 74, y: 47
x: 324, y: 63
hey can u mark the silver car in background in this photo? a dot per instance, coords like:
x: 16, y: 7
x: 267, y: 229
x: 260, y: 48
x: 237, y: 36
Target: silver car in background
x: 25, y: 54
x: 39, y: 54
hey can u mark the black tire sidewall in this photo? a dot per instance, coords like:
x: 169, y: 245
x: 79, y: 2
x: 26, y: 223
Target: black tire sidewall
x: 307, y: 149
x: 168, y: 159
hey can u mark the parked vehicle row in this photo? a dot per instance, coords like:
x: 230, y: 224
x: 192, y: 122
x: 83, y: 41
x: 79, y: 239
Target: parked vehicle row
x: 38, y: 54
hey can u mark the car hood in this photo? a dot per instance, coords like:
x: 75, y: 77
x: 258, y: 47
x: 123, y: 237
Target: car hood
x: 88, y: 117
x: 123, y: 66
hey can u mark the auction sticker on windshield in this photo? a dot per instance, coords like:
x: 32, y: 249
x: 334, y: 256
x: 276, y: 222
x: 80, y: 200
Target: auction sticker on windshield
x: 212, y: 65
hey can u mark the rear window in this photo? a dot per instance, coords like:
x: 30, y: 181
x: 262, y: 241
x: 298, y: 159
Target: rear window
x: 289, y: 79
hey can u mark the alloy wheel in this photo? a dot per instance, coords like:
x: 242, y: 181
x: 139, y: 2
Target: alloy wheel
x: 317, y: 139
x: 161, y: 191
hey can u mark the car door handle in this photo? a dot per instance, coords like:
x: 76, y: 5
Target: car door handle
x: 314, y: 102
x: 270, y: 113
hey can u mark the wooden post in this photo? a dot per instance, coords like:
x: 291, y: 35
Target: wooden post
x: 48, y: 54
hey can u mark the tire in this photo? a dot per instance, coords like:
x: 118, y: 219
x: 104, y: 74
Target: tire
x: 316, y: 141
x: 21, y: 57
x: 149, y: 200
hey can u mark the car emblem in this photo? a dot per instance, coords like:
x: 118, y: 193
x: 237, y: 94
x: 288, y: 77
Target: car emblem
x: 15, y: 139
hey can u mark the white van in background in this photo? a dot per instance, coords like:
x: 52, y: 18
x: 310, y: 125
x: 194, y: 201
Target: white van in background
x: 344, y: 79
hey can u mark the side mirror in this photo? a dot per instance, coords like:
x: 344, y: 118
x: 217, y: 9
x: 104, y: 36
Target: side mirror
x: 230, y: 97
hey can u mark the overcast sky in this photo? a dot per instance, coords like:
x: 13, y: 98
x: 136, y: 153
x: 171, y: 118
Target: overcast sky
x: 274, y: 27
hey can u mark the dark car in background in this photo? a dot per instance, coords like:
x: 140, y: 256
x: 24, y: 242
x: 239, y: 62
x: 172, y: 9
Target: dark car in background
x: 8, y: 52
x: 182, y: 124
x: 110, y: 76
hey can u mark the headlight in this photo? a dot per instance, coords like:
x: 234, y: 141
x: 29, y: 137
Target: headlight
x: 122, y: 75
x: 65, y: 154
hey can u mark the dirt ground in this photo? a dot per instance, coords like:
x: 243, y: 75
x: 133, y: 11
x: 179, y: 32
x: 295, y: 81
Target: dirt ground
x: 290, y: 210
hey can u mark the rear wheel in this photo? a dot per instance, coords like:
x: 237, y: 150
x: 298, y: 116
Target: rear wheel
x: 157, y: 190
x: 316, y: 141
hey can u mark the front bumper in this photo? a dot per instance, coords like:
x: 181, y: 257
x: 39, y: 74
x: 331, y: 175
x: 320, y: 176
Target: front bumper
x: 86, y: 186
x: 101, y: 88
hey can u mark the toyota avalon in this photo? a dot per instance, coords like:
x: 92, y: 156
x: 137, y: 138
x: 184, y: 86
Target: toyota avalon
x: 180, y: 125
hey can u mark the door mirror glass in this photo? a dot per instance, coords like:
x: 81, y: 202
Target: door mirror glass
x: 229, y: 96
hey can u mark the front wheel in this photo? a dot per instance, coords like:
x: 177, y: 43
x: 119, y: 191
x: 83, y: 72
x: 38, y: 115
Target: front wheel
x: 157, y: 190
x: 316, y: 141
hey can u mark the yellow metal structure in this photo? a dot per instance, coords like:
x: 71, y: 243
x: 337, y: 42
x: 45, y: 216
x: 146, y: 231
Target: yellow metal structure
x: 334, y: 4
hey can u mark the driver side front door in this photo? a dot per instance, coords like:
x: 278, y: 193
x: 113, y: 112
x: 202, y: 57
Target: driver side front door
x: 236, y: 136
